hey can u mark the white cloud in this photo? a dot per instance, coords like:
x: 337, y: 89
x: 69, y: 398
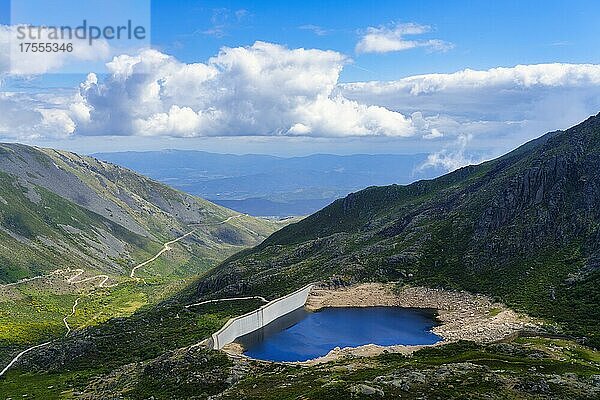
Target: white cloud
x: 263, y: 89
x: 56, y: 122
x: 520, y: 76
x: 266, y: 90
x: 316, y: 29
x: 434, y: 134
x: 453, y: 158
x: 223, y: 19
x: 27, y: 116
x: 385, y: 39
x: 501, y: 107
x: 299, y: 129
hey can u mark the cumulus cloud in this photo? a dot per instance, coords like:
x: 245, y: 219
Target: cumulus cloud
x: 32, y: 116
x: 385, y: 39
x: 29, y: 116
x: 263, y: 89
x: 520, y: 76
x: 269, y: 90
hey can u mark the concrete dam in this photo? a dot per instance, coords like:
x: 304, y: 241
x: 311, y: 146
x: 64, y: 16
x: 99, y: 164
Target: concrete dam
x: 258, y: 319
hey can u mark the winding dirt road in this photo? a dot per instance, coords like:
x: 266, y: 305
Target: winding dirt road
x: 72, y: 279
x: 166, y: 246
x: 25, y: 280
x: 79, y: 272
x: 14, y: 360
x: 70, y: 315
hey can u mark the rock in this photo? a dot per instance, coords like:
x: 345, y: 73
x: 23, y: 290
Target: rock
x: 417, y: 377
x: 367, y: 390
x: 399, y: 383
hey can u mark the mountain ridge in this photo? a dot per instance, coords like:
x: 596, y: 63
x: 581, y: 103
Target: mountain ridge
x: 523, y: 227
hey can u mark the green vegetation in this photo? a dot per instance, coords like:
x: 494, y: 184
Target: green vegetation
x: 523, y: 229
x: 148, y: 355
x: 494, y: 311
x: 71, y: 364
x: 528, y: 369
x: 61, y: 213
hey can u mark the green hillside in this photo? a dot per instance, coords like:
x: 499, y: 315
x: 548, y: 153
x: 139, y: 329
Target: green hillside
x: 97, y: 215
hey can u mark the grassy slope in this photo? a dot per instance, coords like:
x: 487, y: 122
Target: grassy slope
x: 32, y: 208
x: 148, y: 354
x: 74, y: 363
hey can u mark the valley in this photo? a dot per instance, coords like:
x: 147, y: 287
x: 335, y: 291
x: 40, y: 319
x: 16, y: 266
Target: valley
x: 75, y: 279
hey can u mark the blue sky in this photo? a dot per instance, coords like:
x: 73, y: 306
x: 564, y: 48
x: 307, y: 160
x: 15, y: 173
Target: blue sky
x: 462, y: 80
x: 486, y: 34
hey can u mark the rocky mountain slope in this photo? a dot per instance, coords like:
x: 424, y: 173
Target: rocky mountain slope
x: 59, y: 209
x: 524, y: 228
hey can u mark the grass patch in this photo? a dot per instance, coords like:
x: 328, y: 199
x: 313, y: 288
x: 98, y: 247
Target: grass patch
x: 494, y: 311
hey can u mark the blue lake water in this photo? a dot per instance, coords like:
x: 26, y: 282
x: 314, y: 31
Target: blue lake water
x: 303, y: 335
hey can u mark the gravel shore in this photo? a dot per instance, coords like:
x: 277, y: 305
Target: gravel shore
x: 462, y: 315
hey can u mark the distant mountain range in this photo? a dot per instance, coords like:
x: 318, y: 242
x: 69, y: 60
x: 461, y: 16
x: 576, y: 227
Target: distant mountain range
x: 264, y: 185
x: 524, y: 227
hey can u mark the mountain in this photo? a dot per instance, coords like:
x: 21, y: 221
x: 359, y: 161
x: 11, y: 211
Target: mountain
x: 74, y: 227
x: 524, y: 228
x: 272, y: 186
x: 61, y: 208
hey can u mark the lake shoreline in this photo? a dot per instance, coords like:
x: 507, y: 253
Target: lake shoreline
x: 459, y: 316
x: 462, y: 315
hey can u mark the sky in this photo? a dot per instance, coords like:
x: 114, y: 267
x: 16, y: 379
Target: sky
x: 461, y: 80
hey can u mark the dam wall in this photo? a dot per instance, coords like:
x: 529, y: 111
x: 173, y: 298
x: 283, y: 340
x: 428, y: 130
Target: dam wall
x: 257, y: 319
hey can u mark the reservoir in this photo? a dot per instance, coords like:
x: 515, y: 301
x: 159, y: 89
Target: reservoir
x: 302, y: 335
